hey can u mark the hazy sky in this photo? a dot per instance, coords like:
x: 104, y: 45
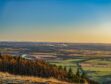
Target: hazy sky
x: 56, y: 20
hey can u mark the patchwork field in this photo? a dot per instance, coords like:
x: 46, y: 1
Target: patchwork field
x: 96, y: 69
x: 94, y: 59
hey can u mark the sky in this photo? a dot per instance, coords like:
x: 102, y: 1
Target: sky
x: 87, y: 21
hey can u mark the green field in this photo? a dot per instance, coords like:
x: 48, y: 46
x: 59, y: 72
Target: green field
x: 99, y: 69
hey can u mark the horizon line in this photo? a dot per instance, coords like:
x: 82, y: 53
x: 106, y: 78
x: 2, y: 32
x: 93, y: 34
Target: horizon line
x: 57, y: 42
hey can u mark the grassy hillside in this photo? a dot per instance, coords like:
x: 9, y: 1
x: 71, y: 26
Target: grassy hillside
x: 39, y: 68
x: 6, y: 78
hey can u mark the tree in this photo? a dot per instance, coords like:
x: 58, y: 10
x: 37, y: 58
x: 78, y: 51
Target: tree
x: 65, y: 69
x: 0, y: 54
x: 78, y: 73
x: 60, y: 67
x: 70, y: 74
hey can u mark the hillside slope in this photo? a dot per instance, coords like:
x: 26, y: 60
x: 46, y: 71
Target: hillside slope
x: 37, y: 68
x: 6, y: 78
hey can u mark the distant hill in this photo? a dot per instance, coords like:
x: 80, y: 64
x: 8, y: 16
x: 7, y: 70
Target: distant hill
x: 56, y: 45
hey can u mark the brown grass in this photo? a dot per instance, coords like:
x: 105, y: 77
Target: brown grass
x: 16, y: 79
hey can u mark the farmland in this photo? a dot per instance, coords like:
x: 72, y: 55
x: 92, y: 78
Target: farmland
x: 96, y: 69
x: 94, y: 59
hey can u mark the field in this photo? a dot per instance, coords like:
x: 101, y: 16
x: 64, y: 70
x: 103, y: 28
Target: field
x: 94, y: 59
x: 96, y: 69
